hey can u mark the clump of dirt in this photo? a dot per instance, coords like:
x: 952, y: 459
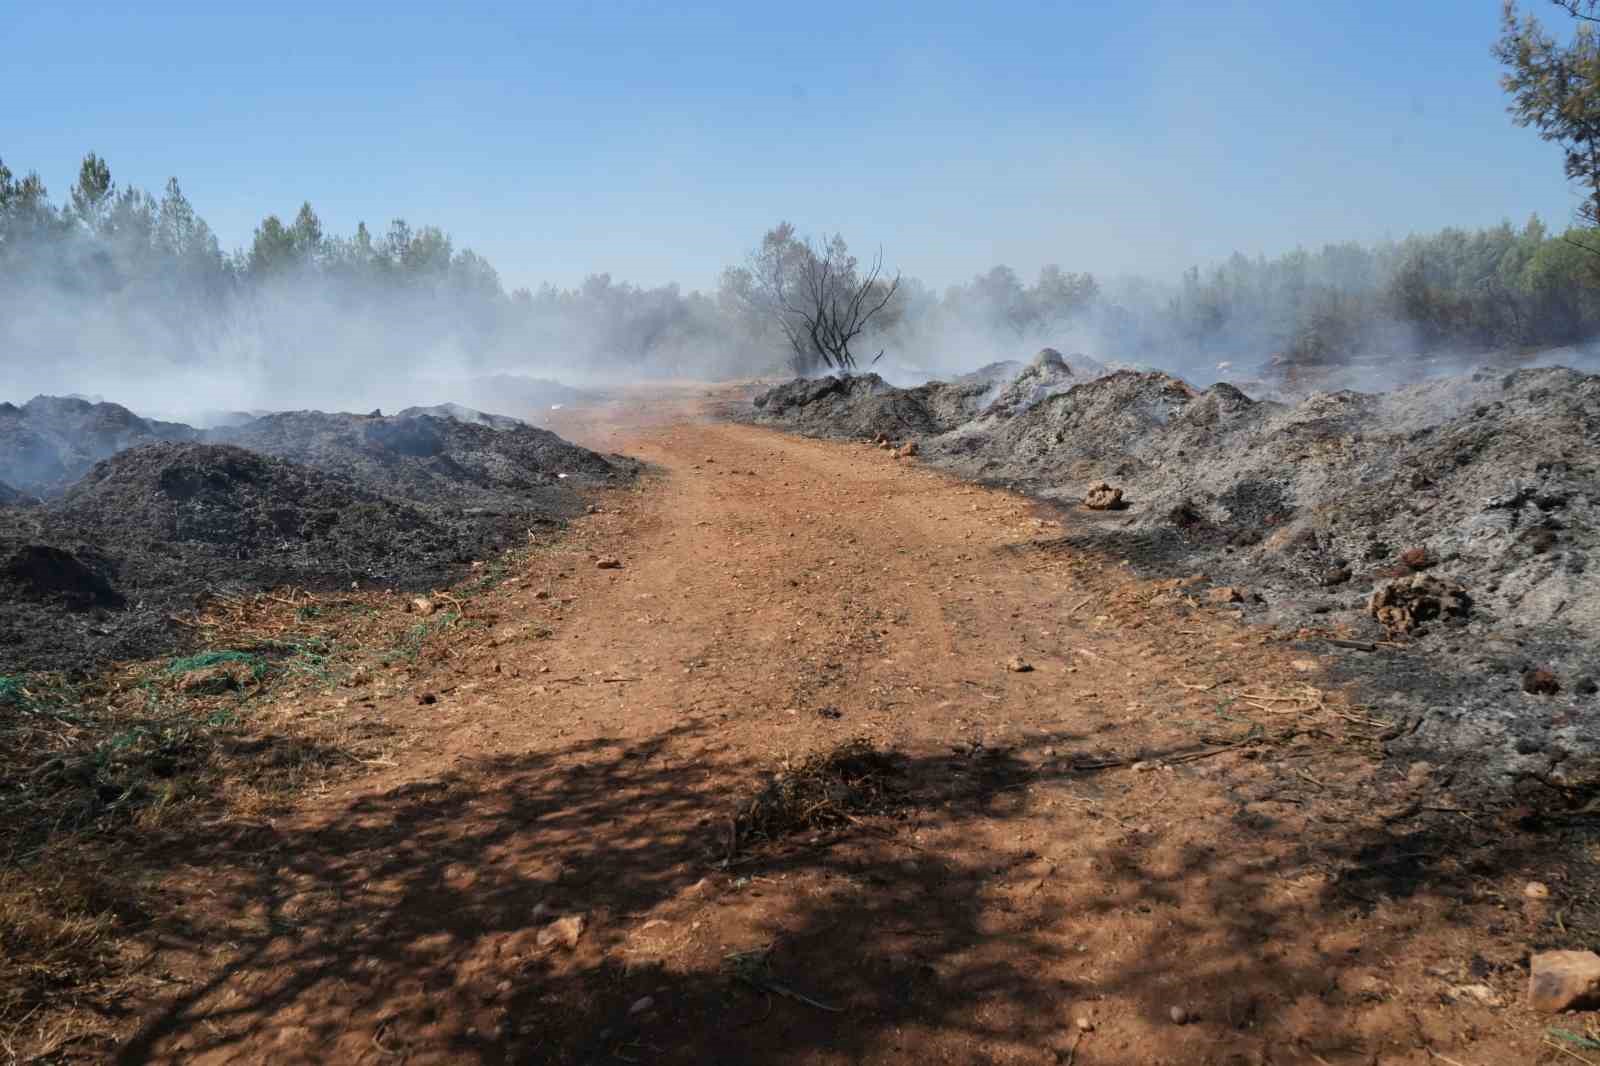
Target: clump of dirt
x: 1404, y: 606
x: 491, y: 463
x: 1103, y: 497
x: 828, y: 790
x: 50, y: 441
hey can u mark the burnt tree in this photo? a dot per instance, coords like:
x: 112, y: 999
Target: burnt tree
x: 819, y: 297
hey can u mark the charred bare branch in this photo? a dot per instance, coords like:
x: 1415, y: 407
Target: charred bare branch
x: 820, y: 299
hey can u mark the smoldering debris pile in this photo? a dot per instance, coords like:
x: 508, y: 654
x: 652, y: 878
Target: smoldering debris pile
x: 865, y: 406
x: 1457, y: 518
x: 489, y: 463
x: 95, y: 573
x: 51, y: 441
x: 462, y: 413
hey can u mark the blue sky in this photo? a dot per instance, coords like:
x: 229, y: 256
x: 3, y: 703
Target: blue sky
x: 657, y: 142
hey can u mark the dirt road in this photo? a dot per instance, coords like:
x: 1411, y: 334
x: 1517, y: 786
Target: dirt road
x: 1166, y: 828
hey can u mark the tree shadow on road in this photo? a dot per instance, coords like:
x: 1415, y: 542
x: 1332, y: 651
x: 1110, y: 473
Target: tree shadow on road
x: 1008, y: 895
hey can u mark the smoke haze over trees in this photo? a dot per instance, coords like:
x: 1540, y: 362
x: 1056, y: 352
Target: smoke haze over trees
x: 116, y: 291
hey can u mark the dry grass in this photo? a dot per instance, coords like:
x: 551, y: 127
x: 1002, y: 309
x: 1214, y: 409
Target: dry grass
x: 58, y: 920
x: 827, y: 790
x: 96, y: 774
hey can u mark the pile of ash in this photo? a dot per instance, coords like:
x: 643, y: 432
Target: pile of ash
x: 1328, y: 509
x: 865, y: 405
x: 94, y: 574
x: 95, y: 571
x: 51, y: 441
x: 462, y: 413
x: 491, y: 463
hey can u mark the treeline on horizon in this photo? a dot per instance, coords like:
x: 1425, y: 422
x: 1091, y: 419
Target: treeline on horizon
x: 152, y: 267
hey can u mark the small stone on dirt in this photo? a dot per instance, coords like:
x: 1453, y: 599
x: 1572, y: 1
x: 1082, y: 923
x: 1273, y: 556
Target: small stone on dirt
x: 1102, y: 497
x: 1563, y: 980
x: 1480, y: 994
x: 1540, y: 682
x: 1417, y: 558
x: 564, y: 932
x: 1536, y: 890
x: 1336, y: 576
x: 642, y: 1004
x: 1178, y: 1015
x: 422, y: 605
x: 1084, y: 1024
x: 1018, y: 665
x: 1225, y: 594
x: 608, y: 562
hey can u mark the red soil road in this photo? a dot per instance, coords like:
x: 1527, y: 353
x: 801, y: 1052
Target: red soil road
x: 779, y: 596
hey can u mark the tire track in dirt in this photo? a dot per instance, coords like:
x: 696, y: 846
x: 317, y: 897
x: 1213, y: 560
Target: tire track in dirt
x: 777, y: 597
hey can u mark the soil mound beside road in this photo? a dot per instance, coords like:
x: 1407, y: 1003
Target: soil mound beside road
x: 93, y: 575
x: 508, y: 466
x: 865, y: 405
x: 311, y: 499
x: 1488, y: 481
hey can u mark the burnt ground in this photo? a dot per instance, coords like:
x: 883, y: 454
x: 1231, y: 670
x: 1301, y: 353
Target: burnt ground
x: 1487, y: 484
x: 770, y: 792
x: 104, y: 569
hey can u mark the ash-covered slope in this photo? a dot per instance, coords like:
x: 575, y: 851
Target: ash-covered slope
x: 50, y: 441
x: 462, y: 413
x: 437, y: 460
x: 1495, y: 477
x: 865, y: 405
x: 93, y: 575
